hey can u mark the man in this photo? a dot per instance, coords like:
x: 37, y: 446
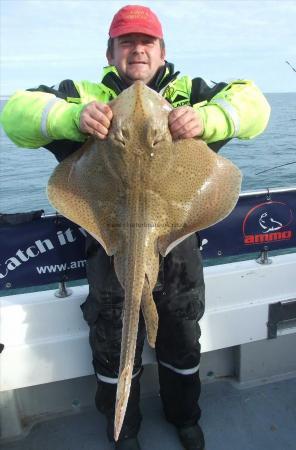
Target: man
x: 60, y: 119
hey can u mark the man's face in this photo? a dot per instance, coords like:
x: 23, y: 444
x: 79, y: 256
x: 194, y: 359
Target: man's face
x: 136, y: 57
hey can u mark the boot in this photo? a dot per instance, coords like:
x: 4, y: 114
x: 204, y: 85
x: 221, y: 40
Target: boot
x: 191, y: 437
x: 128, y: 444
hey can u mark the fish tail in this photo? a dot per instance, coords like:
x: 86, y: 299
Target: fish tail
x: 134, y: 281
x: 122, y: 395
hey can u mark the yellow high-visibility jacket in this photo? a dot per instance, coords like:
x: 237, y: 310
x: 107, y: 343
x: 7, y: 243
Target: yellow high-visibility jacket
x: 49, y: 116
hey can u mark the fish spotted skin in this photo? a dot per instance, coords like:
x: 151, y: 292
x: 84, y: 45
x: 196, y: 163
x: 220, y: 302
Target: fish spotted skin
x: 139, y: 194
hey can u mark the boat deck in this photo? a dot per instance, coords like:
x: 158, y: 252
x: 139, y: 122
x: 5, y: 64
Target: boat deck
x: 234, y: 418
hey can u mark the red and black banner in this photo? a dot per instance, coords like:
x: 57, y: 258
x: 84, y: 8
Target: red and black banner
x: 258, y: 221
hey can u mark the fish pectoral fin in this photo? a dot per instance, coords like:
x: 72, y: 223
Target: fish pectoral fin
x: 122, y: 395
x: 150, y: 314
x: 79, y: 188
x: 205, y: 196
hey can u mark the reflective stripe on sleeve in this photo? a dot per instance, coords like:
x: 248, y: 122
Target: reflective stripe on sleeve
x: 112, y: 380
x: 45, y: 113
x: 181, y: 371
x: 231, y: 111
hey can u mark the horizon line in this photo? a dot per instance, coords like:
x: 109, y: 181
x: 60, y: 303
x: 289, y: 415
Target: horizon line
x: 3, y: 96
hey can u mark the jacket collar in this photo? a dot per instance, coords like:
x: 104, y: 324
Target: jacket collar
x: 163, y: 76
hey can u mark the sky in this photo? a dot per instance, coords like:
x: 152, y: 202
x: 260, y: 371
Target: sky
x: 46, y: 41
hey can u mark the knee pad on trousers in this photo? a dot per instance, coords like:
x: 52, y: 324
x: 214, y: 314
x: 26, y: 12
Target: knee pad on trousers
x: 178, y: 332
x: 105, y: 341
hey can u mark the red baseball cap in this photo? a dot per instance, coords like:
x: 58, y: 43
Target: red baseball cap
x: 135, y: 19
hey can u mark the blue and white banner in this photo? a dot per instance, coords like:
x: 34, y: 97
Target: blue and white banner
x: 45, y: 250
x: 51, y: 249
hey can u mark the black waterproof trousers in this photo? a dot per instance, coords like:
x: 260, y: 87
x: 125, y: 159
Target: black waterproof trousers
x: 179, y: 297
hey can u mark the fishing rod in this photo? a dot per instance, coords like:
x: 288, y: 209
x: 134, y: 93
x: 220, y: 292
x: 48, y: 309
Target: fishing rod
x: 276, y: 167
x: 281, y: 165
x: 291, y: 66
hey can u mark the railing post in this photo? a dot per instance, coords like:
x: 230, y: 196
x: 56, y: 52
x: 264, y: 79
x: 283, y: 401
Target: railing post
x: 63, y: 291
x: 263, y: 258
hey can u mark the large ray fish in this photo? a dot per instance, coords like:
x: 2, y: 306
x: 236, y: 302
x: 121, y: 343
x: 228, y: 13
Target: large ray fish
x: 139, y: 194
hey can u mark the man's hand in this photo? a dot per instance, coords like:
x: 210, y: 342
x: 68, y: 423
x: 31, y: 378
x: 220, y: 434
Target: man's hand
x: 95, y: 119
x: 185, y: 122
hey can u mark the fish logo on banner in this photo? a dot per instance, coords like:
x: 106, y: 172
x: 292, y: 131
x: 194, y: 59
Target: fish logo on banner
x: 268, y: 222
